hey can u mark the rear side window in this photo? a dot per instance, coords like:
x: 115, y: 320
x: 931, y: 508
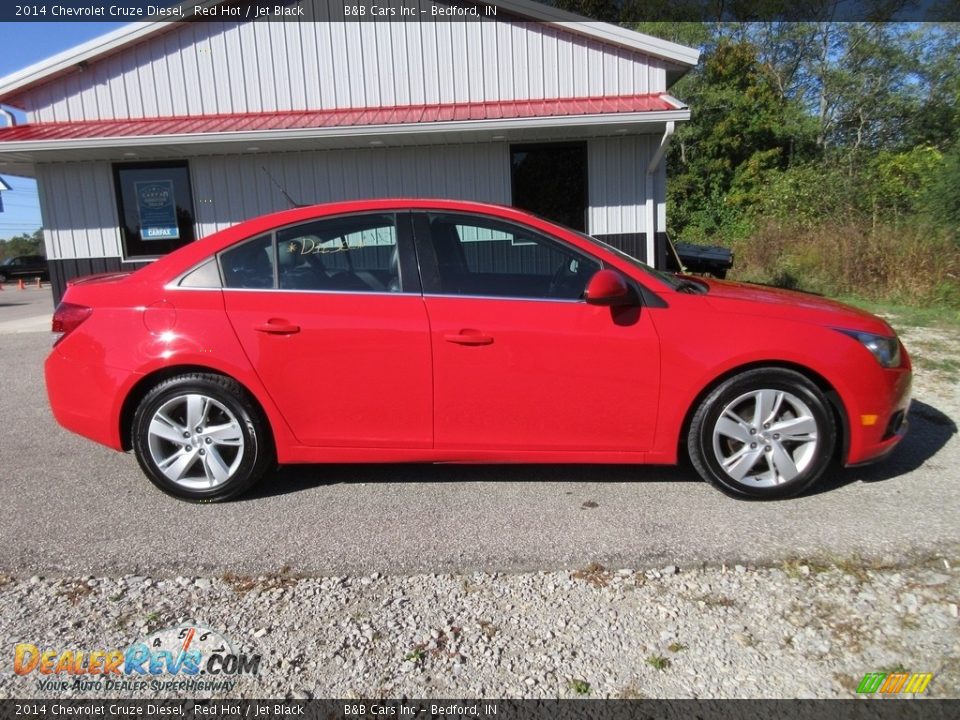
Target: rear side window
x: 351, y: 253
x: 249, y: 265
x: 206, y: 275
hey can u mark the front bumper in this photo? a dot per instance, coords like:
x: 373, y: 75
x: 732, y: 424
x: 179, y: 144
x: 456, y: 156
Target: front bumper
x: 879, y: 419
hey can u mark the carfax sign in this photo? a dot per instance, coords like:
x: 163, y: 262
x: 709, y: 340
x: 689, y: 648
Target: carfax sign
x: 158, y: 210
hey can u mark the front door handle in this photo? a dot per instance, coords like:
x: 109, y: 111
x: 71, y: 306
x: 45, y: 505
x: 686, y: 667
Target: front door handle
x: 275, y: 326
x: 468, y: 337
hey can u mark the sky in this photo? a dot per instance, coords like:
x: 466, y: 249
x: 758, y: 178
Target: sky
x: 24, y: 44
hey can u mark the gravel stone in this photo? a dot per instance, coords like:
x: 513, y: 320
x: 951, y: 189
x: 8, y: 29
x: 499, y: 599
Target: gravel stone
x: 778, y: 631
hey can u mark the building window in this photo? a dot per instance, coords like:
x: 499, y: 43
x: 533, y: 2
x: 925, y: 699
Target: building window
x: 156, y: 207
x: 550, y: 180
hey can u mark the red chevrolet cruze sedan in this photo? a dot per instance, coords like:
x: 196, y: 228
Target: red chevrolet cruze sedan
x: 444, y: 331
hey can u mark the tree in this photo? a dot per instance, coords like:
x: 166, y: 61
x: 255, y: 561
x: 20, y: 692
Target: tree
x: 741, y: 128
x: 22, y: 245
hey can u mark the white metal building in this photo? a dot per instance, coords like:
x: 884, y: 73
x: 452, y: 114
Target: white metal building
x: 163, y: 132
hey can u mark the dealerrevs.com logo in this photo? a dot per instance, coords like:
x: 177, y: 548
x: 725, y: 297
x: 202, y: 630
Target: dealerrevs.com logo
x: 186, y: 658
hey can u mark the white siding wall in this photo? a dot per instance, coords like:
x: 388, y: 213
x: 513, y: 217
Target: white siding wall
x: 237, y: 67
x: 80, y: 216
x: 231, y: 188
x: 78, y: 200
x: 617, y: 178
x: 79, y: 210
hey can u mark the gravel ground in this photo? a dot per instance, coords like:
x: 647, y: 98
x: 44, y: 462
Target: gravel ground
x: 804, y: 629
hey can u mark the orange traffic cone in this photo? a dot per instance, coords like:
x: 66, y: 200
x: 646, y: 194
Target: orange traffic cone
x: 21, y: 284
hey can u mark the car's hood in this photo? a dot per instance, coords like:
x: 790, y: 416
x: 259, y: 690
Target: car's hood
x: 751, y: 299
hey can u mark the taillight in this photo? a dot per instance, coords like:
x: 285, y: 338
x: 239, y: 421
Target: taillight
x: 67, y: 318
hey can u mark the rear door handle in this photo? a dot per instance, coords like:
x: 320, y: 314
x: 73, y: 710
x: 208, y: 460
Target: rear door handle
x: 274, y: 326
x: 468, y: 337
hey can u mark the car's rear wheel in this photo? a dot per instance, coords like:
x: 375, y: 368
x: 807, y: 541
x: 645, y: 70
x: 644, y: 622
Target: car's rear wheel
x: 765, y: 433
x: 201, y: 437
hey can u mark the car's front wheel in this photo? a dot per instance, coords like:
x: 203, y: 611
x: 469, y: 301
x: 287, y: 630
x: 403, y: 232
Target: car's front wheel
x: 200, y: 437
x: 765, y: 433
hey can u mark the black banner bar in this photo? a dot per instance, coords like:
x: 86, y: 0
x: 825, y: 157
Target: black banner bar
x: 612, y: 11
x: 387, y: 709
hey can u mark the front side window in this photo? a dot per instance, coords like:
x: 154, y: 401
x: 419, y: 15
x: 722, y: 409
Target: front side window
x: 487, y: 257
x: 155, y: 204
x: 351, y: 253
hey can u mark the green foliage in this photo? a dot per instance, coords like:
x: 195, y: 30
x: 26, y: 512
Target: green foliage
x: 826, y: 154
x: 22, y: 245
x: 895, y: 181
x: 940, y: 199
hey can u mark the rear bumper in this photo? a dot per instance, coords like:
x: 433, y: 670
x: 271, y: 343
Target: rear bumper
x: 83, y: 397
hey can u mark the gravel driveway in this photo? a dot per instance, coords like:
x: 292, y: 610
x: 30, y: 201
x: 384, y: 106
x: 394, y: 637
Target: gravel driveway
x: 721, y: 598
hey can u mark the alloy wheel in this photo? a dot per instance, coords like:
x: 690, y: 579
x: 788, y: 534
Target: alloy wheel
x: 195, y: 441
x: 765, y: 438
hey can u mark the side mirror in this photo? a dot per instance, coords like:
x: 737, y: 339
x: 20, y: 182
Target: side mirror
x: 608, y: 287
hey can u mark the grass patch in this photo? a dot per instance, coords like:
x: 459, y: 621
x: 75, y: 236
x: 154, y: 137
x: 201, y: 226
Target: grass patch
x: 890, y: 669
x: 676, y: 647
x: 948, y: 366
x: 906, y: 316
x: 593, y: 574
x: 579, y: 686
x: 658, y: 662
x: 853, y: 566
x: 487, y: 628
x: 716, y: 601
x: 417, y: 655
x: 75, y: 590
x: 793, y: 567
x: 245, y: 583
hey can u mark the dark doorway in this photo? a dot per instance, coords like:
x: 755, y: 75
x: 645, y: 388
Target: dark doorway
x: 550, y: 180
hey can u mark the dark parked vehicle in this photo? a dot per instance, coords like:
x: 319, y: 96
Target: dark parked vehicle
x: 24, y: 267
x: 705, y: 259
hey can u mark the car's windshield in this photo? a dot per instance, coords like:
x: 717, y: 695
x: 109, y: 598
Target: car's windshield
x: 668, y: 278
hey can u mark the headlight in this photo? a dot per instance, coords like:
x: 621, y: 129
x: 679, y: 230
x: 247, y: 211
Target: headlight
x: 885, y: 349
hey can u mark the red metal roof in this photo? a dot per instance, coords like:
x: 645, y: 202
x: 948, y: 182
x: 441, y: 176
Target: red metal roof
x: 305, y: 119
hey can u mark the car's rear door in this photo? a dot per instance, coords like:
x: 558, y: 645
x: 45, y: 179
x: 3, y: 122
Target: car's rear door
x: 331, y: 316
x: 521, y: 362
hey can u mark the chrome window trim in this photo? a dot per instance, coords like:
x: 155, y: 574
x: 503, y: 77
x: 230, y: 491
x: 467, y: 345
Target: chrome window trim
x: 323, y: 292
x: 568, y: 301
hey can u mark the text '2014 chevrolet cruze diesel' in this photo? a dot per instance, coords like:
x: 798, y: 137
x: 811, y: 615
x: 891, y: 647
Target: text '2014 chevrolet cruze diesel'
x: 446, y: 331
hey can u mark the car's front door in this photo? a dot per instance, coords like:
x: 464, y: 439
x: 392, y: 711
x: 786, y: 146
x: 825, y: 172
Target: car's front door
x: 331, y: 317
x: 521, y: 362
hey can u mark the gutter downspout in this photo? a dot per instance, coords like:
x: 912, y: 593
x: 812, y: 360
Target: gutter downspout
x: 651, y: 204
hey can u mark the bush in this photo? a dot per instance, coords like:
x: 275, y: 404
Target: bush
x: 912, y: 265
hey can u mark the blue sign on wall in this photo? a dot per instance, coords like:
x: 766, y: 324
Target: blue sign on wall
x: 157, y: 207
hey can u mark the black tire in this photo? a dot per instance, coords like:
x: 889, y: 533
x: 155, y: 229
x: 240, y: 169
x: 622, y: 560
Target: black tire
x: 252, y: 448
x: 762, y: 449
